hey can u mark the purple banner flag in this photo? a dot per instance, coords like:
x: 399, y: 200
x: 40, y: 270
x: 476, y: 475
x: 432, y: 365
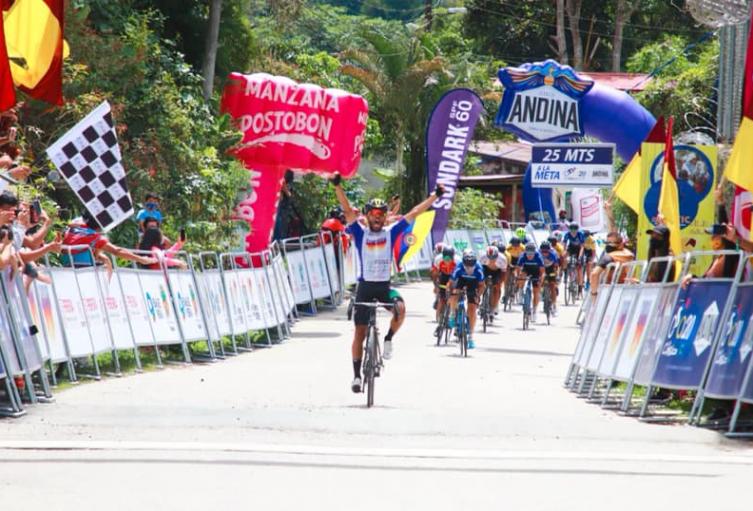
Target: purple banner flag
x: 448, y: 134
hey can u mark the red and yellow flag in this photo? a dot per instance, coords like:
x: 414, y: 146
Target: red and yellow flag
x: 669, y: 199
x: 628, y: 187
x: 34, y: 34
x: 7, y: 92
x: 739, y: 168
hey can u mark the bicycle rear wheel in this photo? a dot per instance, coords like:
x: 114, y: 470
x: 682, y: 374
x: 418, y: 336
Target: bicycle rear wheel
x: 462, y: 337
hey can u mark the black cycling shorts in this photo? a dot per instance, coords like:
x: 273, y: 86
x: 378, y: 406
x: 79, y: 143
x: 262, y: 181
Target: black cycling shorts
x: 573, y: 250
x: 495, y: 275
x: 368, y: 292
x: 471, y: 287
x: 588, y: 254
x: 532, y: 272
x: 444, y: 283
x: 550, y: 276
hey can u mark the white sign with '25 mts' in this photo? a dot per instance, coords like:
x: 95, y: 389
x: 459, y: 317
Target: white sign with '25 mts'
x: 572, y: 165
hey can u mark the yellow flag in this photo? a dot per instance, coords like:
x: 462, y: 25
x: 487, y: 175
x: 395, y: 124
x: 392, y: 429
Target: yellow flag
x: 669, y: 198
x: 628, y: 187
x: 410, y: 243
x: 32, y: 33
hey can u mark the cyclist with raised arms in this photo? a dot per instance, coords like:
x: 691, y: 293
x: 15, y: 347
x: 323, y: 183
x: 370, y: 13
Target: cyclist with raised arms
x: 494, y: 265
x: 468, y: 275
x: 574, y: 241
x: 441, y: 272
x: 531, y: 265
x: 551, y: 271
x: 374, y: 245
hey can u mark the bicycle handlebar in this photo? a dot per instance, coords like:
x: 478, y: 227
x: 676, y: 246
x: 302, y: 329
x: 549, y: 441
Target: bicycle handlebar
x: 375, y: 304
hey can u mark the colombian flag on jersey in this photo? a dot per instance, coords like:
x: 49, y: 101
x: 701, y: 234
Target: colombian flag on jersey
x: 409, y: 243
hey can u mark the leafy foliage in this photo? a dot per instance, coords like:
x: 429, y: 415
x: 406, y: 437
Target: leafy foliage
x: 474, y: 208
x: 171, y: 140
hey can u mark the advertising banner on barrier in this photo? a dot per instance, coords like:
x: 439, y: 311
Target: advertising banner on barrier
x: 329, y: 253
x: 251, y: 303
x: 655, y: 334
x: 495, y: 235
x: 317, y: 273
x: 628, y: 355
x: 478, y: 240
x: 36, y: 319
x: 459, y: 239
x: 212, y: 327
x: 14, y: 366
x: 260, y: 293
x: 607, y: 324
x: 588, y: 333
x: 271, y: 295
x: 95, y: 314
x: 615, y: 337
x: 688, y: 345
x: 157, y: 300
x: 284, y: 283
x: 236, y: 302
x: 119, y: 321
x: 135, y: 306
x: 351, y: 268
x: 71, y: 312
x: 29, y: 342
x: 425, y: 258
x: 187, y: 303
x: 734, y: 348
x: 213, y: 297
x: 297, y: 269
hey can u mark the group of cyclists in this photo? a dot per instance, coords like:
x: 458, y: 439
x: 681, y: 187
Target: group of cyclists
x: 510, y: 266
x: 375, y: 230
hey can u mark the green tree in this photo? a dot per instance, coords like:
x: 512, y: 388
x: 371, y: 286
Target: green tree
x: 474, y: 208
x: 396, y: 71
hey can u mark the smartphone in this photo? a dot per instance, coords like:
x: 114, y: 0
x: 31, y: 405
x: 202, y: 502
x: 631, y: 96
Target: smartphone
x: 183, y: 235
x: 35, y: 211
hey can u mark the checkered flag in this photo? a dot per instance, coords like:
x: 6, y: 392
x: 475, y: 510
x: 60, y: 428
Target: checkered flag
x: 88, y: 156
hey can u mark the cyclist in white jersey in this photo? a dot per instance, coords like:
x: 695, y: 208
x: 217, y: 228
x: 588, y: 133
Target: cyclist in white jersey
x: 374, y: 244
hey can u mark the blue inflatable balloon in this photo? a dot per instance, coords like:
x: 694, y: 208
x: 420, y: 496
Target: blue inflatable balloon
x: 613, y: 116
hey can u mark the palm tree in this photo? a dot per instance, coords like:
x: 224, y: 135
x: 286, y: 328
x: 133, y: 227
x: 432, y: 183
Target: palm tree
x: 396, y: 71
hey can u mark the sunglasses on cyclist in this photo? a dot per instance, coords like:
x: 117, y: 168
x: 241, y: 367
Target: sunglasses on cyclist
x: 377, y: 213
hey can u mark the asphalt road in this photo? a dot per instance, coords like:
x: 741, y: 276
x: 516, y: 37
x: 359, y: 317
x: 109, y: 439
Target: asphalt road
x: 279, y: 428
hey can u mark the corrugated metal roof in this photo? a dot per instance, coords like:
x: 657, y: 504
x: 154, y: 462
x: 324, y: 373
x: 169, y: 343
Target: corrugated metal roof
x: 518, y: 152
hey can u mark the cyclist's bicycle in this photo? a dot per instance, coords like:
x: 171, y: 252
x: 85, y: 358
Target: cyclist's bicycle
x: 462, y: 326
x: 372, y: 352
x: 527, y: 301
x: 509, y: 294
x: 547, y: 299
x: 571, y: 281
x: 484, y: 310
x: 443, y: 327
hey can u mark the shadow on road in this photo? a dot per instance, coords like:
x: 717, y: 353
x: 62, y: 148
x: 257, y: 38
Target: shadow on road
x: 525, y: 352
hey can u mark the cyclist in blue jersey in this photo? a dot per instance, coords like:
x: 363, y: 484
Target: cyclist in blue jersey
x: 551, y: 271
x: 574, y: 241
x: 374, y: 243
x: 468, y: 275
x: 530, y: 264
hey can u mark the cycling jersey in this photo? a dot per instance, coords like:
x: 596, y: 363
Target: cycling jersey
x: 77, y: 234
x: 375, y: 249
x: 589, y: 243
x: 500, y: 263
x: 515, y: 252
x: 560, y: 250
x: 531, y: 266
x: 571, y: 239
x: 445, y: 267
x: 470, y: 281
x: 550, y: 260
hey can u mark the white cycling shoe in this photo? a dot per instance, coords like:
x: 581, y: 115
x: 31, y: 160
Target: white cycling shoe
x: 387, y: 350
x: 356, y: 385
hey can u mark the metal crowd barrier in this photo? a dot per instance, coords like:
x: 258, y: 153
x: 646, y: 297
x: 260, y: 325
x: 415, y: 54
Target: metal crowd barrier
x: 85, y: 311
x: 657, y: 334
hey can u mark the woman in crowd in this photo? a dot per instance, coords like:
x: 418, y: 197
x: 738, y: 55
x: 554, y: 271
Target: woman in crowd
x: 153, y: 241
